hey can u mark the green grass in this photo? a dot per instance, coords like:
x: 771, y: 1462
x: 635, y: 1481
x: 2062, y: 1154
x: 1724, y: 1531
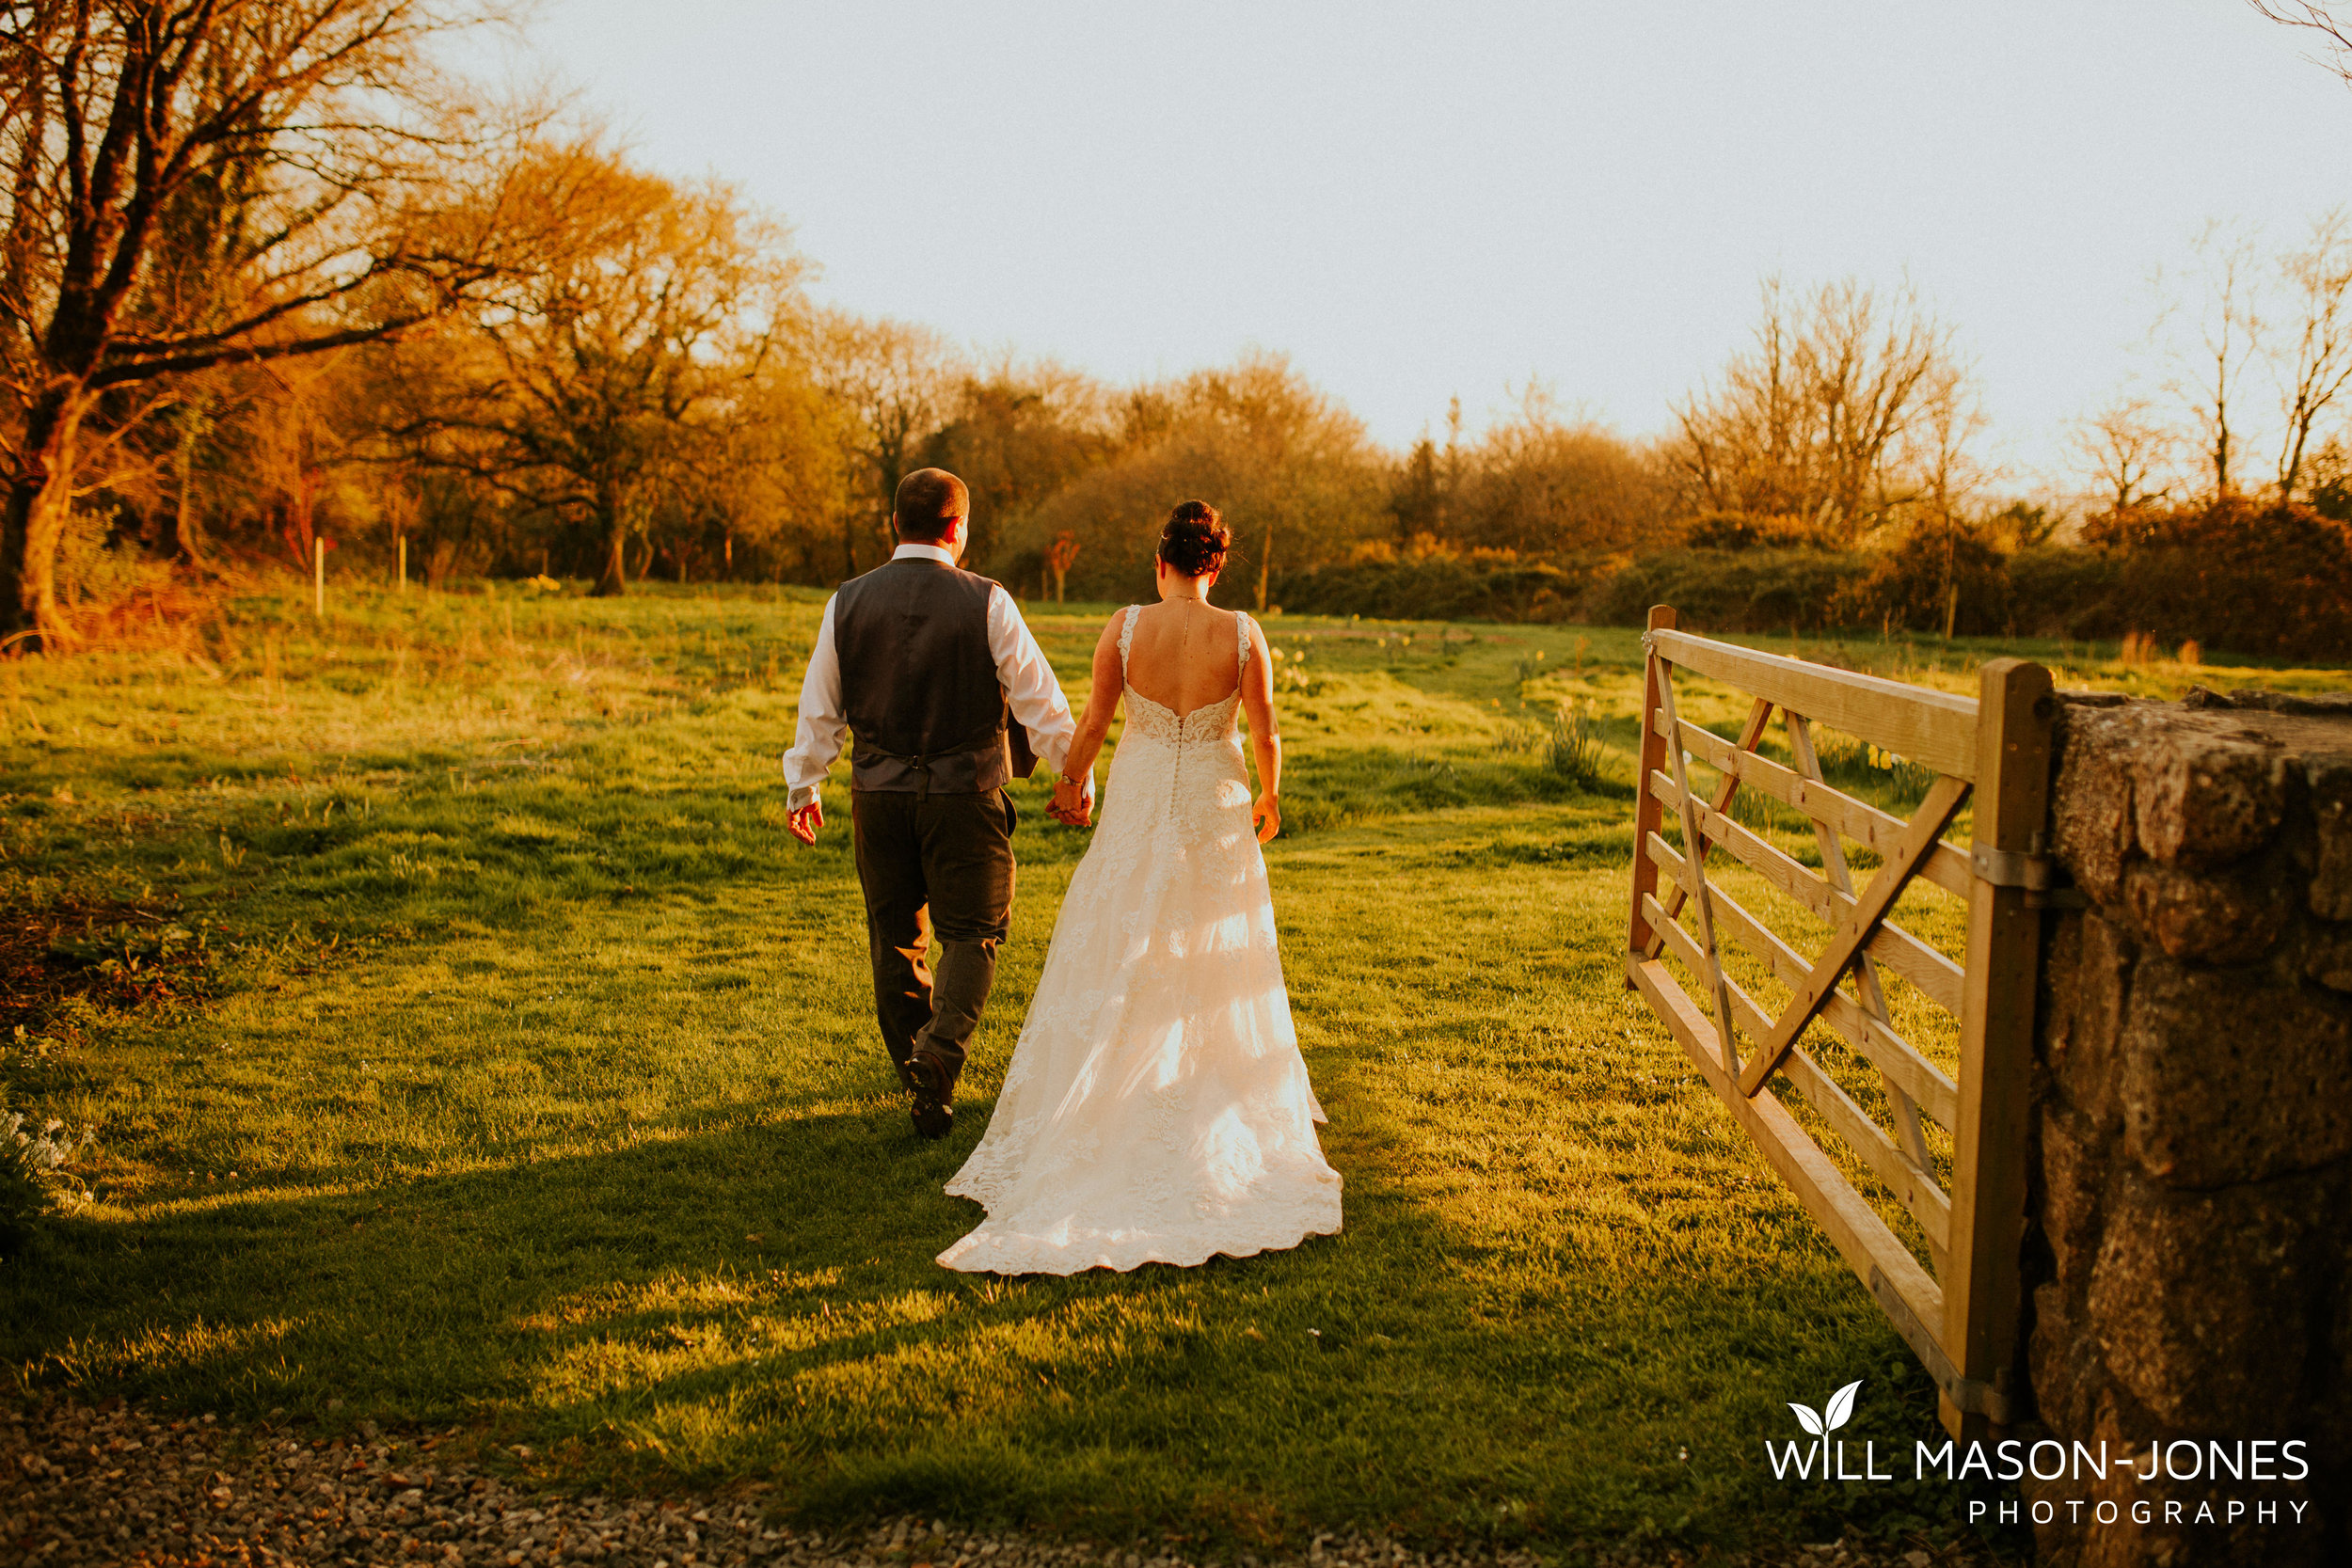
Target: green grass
x: 469, y: 1045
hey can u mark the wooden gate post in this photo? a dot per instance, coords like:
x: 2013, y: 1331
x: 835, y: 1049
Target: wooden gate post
x: 1649, y: 813
x: 2013, y: 795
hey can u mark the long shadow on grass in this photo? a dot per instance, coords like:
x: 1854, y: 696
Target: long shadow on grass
x: 761, y: 1301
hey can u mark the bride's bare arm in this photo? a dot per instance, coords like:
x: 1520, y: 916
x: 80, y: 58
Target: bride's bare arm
x: 1265, y: 736
x: 1094, y: 725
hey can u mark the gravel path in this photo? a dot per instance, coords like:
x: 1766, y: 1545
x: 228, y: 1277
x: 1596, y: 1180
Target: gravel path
x: 115, y: 1484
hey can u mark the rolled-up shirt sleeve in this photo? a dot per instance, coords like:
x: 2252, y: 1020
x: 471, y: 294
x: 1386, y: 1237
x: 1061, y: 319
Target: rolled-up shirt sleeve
x: 822, y: 728
x: 1030, y: 688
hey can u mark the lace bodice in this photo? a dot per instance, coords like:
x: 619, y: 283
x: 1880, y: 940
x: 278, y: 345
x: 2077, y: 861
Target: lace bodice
x: 1151, y: 720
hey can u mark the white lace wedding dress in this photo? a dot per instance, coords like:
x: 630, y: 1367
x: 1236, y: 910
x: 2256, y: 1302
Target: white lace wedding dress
x: 1157, y: 1109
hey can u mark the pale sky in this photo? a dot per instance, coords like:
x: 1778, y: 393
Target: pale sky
x: 1420, y: 201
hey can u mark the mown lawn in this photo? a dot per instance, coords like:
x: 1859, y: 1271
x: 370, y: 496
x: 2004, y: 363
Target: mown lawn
x: 467, y: 1045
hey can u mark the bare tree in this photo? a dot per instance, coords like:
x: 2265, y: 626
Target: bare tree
x: 2318, y: 363
x: 2210, y: 368
x: 1807, y: 421
x: 2336, y: 52
x: 1950, y: 419
x: 197, y: 183
x: 2126, y: 448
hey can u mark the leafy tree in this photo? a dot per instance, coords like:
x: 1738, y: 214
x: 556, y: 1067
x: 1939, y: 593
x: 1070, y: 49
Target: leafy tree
x: 1539, y: 485
x: 623, y: 362
x: 192, y: 183
x: 1016, y: 435
x: 893, y: 382
x: 1290, y: 467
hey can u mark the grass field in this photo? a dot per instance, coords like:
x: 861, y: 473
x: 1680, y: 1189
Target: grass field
x: 467, y: 1045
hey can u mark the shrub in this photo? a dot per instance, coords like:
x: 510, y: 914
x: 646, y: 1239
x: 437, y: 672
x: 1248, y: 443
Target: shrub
x: 1929, y: 579
x: 2056, y: 591
x: 2271, y: 580
x: 1573, y: 748
x: 35, y: 1177
x: 1442, y: 586
x: 1720, y: 591
x: 1749, y: 531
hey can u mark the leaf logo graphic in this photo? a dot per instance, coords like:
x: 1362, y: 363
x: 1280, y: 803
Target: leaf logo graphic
x: 1836, y: 1413
x: 1840, y: 1408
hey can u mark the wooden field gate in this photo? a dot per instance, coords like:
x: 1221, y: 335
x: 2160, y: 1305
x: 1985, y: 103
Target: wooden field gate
x: 1962, y: 1317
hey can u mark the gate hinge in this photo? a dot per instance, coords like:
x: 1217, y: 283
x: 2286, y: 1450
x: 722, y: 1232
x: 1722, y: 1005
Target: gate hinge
x: 2032, y: 870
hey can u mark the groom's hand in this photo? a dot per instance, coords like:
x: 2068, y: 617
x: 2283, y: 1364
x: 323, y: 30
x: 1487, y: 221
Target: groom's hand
x: 805, y: 821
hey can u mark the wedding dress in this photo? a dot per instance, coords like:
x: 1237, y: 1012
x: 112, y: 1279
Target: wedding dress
x: 1157, y: 1109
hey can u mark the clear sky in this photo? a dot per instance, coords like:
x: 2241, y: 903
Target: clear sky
x: 1415, y: 201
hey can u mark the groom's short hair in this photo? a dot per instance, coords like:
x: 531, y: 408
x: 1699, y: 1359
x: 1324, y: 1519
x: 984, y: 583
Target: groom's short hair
x: 928, y: 501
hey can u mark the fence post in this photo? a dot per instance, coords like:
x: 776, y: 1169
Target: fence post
x: 318, y: 578
x: 404, y: 564
x: 2012, y: 803
x: 1649, y: 813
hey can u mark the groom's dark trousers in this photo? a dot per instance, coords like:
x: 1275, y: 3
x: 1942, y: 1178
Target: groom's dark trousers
x: 938, y: 872
x: 927, y: 806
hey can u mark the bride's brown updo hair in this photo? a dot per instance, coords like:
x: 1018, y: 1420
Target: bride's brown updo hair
x: 1196, y: 539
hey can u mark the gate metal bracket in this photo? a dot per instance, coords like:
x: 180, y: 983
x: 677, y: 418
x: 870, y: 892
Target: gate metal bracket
x: 2032, y: 870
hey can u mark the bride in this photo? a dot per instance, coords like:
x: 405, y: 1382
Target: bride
x: 1157, y: 1109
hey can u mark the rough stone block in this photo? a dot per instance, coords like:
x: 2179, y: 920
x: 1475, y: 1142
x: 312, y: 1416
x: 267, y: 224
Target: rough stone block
x: 2072, y: 1175
x: 2092, y: 800
x: 2087, y: 974
x: 2230, y: 1078
x: 2069, y: 1377
x: 2196, y: 1303
x: 2331, y: 891
x: 2210, y: 797
x: 2328, y: 959
x: 2216, y: 917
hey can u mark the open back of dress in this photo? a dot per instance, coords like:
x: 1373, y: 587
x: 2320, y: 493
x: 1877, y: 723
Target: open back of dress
x: 1157, y: 1109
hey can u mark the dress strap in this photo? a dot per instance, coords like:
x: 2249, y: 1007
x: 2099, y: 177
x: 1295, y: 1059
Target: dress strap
x: 1126, y: 637
x: 1241, y: 628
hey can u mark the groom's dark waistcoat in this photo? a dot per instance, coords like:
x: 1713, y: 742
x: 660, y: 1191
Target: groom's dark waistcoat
x: 918, y: 682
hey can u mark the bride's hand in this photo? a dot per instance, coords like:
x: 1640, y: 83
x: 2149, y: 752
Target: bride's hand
x: 1070, y: 804
x: 1267, y: 814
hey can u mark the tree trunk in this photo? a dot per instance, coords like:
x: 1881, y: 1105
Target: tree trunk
x: 614, y: 578
x: 40, y: 500
x: 187, y: 527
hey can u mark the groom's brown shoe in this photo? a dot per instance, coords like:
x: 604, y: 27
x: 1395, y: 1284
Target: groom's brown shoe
x: 934, y: 1117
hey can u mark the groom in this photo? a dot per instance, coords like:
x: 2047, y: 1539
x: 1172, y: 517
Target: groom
x: 933, y: 670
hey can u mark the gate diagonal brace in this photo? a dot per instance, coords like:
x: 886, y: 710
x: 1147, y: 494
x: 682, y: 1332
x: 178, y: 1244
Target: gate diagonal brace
x: 1877, y: 902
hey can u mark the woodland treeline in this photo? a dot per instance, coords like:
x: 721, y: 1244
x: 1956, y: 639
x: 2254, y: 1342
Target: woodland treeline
x: 275, y: 275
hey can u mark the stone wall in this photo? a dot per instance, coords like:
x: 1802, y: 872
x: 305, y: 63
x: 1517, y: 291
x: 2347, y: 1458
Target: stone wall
x: 2189, y: 1236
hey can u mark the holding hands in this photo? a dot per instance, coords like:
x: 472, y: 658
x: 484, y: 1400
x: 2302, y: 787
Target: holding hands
x: 1073, y: 800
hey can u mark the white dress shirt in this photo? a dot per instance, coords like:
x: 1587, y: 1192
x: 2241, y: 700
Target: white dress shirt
x: 1035, y: 696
